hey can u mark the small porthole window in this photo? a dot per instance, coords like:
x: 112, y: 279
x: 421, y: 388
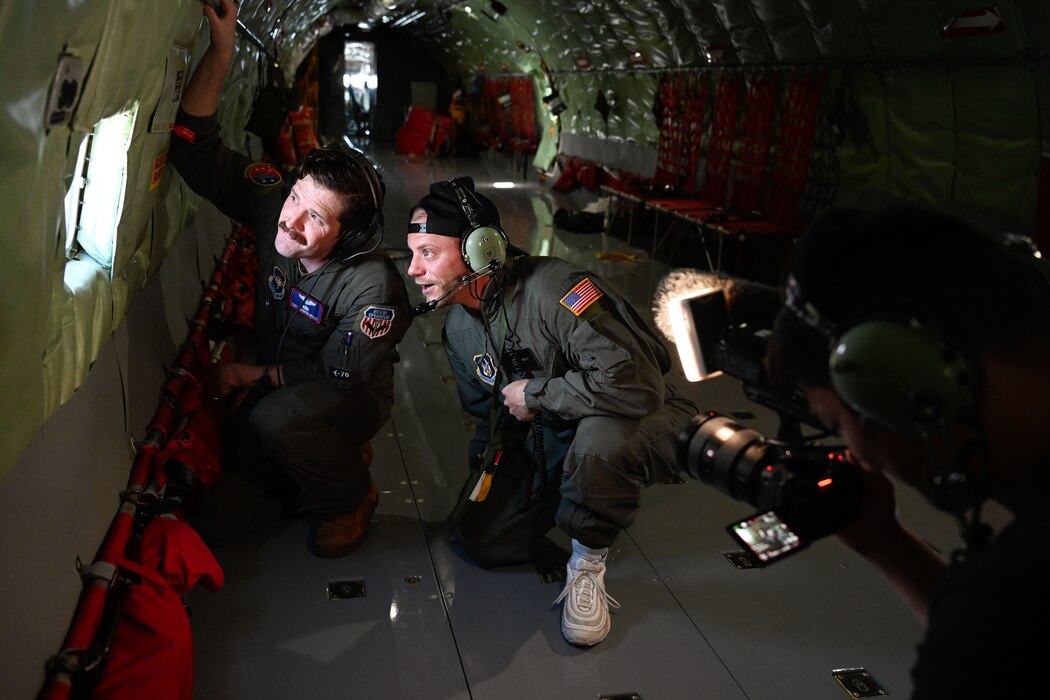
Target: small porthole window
x: 95, y: 199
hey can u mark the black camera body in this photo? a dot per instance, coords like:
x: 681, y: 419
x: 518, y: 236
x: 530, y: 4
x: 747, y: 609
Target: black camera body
x: 813, y: 489
x: 802, y: 490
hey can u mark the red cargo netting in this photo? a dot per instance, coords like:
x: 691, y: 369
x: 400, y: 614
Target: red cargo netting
x: 794, y: 147
x: 750, y: 181
x: 129, y: 635
x: 723, y: 134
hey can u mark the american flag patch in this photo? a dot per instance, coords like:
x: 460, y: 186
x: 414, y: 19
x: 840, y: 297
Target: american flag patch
x: 581, y: 296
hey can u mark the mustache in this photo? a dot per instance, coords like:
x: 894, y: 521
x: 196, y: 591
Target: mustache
x: 291, y: 233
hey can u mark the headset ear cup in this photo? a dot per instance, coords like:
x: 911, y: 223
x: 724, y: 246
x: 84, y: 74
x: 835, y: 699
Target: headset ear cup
x: 354, y: 241
x: 483, y: 245
x: 351, y: 243
x: 902, y: 376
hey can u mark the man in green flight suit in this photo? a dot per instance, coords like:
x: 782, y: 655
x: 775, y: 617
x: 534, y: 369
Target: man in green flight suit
x: 329, y: 310
x: 541, y: 347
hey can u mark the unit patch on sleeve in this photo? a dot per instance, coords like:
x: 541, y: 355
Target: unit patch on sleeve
x: 376, y: 321
x: 486, y: 368
x: 581, y: 296
x: 263, y: 174
x: 278, y: 282
x: 306, y: 305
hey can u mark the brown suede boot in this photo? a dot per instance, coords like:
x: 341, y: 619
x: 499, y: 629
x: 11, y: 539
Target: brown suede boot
x: 338, y: 536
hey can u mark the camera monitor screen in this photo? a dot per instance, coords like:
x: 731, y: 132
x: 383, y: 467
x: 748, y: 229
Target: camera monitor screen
x: 766, y: 536
x: 698, y: 320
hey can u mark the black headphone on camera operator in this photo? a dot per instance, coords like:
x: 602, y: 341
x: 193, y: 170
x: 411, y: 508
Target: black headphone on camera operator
x: 902, y: 372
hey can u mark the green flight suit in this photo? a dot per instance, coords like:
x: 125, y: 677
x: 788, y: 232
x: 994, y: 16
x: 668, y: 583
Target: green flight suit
x: 333, y: 332
x: 596, y: 377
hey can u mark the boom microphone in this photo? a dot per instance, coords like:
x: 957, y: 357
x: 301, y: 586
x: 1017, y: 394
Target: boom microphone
x: 492, y: 268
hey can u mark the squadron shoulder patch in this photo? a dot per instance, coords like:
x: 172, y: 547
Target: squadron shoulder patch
x: 263, y: 174
x: 486, y: 368
x: 581, y: 296
x: 278, y: 283
x: 376, y: 321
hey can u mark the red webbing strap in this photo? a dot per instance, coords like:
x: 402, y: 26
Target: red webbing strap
x: 694, y: 110
x: 723, y: 134
x: 795, y: 143
x: 669, y: 122
x: 755, y: 143
x: 78, y: 654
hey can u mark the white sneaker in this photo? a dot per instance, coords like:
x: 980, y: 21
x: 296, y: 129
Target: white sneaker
x: 585, y: 616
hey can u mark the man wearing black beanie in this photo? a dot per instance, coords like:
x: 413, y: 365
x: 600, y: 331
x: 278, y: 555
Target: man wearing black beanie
x: 567, y: 381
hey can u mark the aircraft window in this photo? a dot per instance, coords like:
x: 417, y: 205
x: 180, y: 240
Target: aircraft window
x: 95, y: 198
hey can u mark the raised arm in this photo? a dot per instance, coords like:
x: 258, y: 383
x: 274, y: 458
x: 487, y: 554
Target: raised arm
x: 201, y: 96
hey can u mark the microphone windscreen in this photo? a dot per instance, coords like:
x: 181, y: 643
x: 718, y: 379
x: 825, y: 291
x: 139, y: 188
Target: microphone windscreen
x: 747, y: 302
x: 677, y: 283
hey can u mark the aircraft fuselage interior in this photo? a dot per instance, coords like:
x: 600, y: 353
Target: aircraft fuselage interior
x: 156, y: 164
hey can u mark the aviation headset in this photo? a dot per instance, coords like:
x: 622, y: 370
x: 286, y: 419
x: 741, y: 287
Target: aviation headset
x: 892, y: 368
x: 901, y: 371
x: 352, y: 242
x: 480, y: 245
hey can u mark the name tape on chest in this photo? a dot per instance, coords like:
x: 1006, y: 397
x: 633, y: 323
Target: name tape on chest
x: 306, y: 305
x: 580, y: 297
x: 376, y: 321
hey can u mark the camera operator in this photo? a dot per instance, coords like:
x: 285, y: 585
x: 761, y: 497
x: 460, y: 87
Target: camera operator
x: 925, y: 344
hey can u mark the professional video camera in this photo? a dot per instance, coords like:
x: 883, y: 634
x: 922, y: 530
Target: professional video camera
x: 802, y: 489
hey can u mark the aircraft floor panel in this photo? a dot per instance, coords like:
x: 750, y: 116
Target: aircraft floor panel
x: 785, y: 626
x: 507, y: 630
x: 510, y: 641
x: 273, y: 632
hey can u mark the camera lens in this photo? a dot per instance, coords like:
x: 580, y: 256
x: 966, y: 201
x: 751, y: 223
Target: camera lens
x: 811, y: 487
x: 719, y: 451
